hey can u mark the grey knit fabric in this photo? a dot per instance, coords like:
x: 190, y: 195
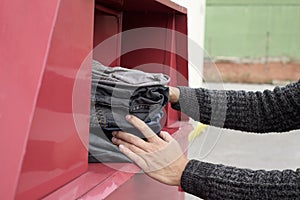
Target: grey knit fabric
x: 211, y: 181
x: 260, y: 112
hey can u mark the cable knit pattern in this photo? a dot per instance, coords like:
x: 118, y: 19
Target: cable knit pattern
x: 261, y: 112
x: 211, y: 181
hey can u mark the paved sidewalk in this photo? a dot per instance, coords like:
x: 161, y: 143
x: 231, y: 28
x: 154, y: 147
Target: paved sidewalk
x: 246, y: 150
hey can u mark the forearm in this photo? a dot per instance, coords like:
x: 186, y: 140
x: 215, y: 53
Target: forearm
x: 270, y: 111
x: 210, y: 181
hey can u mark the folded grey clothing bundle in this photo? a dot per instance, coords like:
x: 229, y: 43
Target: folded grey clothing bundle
x: 118, y: 91
x: 101, y: 149
x: 125, y: 77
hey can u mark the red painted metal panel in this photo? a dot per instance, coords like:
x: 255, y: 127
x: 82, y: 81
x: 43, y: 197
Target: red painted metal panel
x: 107, y: 23
x: 26, y: 29
x: 114, y: 4
x: 143, y: 187
x: 163, y: 6
x: 57, y: 147
x: 100, y: 181
x: 123, y: 173
x: 173, y: 6
x: 121, y: 181
x: 42, y: 48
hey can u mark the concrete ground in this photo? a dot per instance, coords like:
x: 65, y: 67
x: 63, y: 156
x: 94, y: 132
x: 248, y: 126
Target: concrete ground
x: 246, y: 150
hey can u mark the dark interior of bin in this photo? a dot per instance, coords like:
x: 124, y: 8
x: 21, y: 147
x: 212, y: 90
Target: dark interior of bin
x: 112, y: 17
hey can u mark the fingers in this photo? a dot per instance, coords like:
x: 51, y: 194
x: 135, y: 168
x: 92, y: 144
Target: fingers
x: 132, y: 147
x: 174, y: 94
x: 129, y: 138
x: 142, y: 127
x: 166, y: 136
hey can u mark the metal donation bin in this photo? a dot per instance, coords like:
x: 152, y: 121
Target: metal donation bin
x: 46, y: 55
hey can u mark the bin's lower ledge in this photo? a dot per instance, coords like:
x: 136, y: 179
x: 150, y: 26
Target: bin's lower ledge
x: 98, y: 182
x: 113, y: 181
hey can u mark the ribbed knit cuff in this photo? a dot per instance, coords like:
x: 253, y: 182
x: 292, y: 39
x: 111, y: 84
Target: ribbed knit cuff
x: 188, y: 102
x: 194, y: 178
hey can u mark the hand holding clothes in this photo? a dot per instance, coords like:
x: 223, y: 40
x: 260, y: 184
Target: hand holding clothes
x: 259, y: 112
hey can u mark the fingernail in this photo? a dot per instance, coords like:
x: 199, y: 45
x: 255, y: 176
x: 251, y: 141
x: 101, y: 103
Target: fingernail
x: 113, y: 139
x: 114, y: 133
x: 128, y: 117
x: 121, y: 147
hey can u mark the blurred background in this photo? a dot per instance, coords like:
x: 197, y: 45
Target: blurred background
x: 250, y: 45
x: 253, y: 41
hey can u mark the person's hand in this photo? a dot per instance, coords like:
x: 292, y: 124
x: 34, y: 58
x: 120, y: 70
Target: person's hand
x: 174, y: 94
x: 159, y: 157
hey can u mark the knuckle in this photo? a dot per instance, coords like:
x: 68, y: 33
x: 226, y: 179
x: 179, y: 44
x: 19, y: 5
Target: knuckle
x: 117, y: 134
x: 151, y: 149
x: 132, y: 118
x: 164, y: 132
x: 115, y: 140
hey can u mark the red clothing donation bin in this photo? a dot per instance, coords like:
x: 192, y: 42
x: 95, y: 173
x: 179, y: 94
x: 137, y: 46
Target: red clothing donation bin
x: 44, y: 46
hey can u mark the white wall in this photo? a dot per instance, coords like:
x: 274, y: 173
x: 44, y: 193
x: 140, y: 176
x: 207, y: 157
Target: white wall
x: 196, y: 30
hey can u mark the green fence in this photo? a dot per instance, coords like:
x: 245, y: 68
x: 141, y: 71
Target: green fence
x: 253, y: 28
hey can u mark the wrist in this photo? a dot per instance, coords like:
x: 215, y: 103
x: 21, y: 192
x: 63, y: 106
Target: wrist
x: 184, y: 161
x: 174, y: 94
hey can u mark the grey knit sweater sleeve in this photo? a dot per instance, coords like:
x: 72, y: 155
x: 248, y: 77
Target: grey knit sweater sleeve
x: 268, y: 111
x: 260, y: 112
x: 211, y: 181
